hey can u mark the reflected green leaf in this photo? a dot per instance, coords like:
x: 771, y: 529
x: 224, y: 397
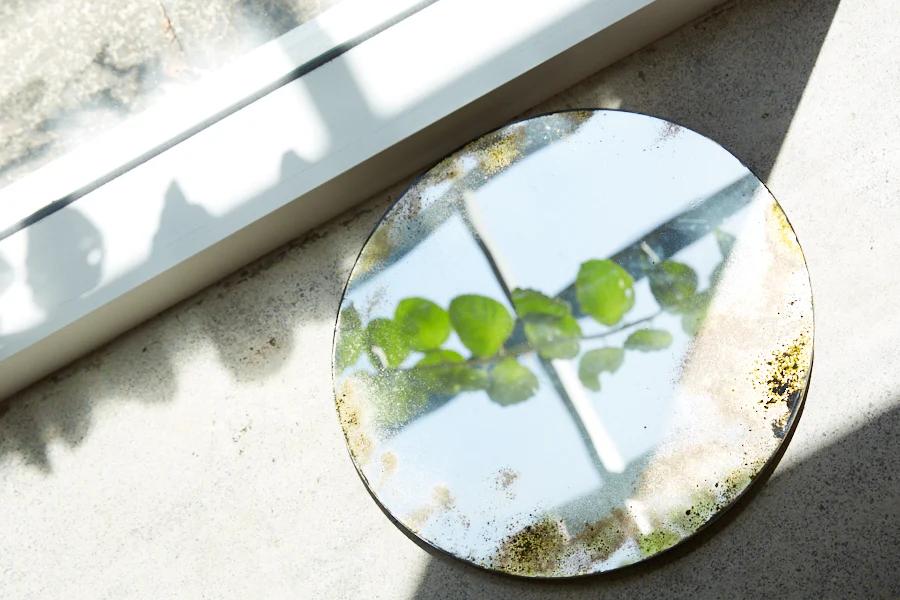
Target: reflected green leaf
x: 465, y: 379
x: 691, y: 322
x: 716, y: 275
x: 351, y: 339
x: 604, y: 290
x: 440, y: 357
x: 725, y: 241
x: 425, y: 324
x: 598, y: 361
x: 445, y: 373
x: 532, y: 302
x: 511, y: 382
x: 553, y: 337
x: 397, y: 397
x: 693, y: 312
x: 672, y: 283
x: 387, y: 344
x: 482, y: 323
x: 548, y: 324
x: 648, y: 340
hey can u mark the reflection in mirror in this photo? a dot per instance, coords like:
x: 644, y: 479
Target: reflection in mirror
x: 572, y: 343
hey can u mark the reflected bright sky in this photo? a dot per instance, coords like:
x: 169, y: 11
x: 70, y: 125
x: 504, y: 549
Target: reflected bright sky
x: 586, y: 196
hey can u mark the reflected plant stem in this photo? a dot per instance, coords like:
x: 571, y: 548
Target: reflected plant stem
x: 623, y: 327
x: 470, y: 217
x: 670, y: 237
x: 525, y: 348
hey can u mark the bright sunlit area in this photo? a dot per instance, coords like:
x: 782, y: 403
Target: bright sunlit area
x: 217, y: 217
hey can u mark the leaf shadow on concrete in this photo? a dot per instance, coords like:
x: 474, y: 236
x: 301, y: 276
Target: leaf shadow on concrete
x: 249, y: 318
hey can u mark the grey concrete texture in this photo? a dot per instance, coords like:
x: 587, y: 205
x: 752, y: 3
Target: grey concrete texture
x: 70, y: 69
x: 200, y: 456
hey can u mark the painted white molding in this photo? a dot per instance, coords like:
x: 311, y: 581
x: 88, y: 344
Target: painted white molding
x: 181, y: 111
x: 295, y: 157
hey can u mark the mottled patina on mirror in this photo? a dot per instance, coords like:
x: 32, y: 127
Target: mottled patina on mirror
x: 572, y: 344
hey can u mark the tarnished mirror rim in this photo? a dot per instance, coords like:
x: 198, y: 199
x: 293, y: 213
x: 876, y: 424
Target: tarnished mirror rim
x: 760, y: 473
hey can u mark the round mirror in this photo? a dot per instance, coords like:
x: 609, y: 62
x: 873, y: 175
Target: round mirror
x: 572, y: 344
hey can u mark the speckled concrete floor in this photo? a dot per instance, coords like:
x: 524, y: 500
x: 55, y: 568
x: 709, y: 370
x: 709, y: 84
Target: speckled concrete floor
x: 199, y: 455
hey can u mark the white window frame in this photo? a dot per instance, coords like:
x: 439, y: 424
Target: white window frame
x: 267, y: 160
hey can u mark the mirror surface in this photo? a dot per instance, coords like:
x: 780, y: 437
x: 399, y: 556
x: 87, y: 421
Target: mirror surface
x: 573, y: 343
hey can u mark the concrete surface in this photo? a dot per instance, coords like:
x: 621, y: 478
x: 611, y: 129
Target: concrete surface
x: 70, y: 69
x: 199, y: 455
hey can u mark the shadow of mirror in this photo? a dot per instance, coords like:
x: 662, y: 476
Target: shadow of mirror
x: 799, y: 528
x: 737, y: 75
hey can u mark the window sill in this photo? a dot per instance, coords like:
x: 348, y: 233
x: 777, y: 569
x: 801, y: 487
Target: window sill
x: 293, y: 158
